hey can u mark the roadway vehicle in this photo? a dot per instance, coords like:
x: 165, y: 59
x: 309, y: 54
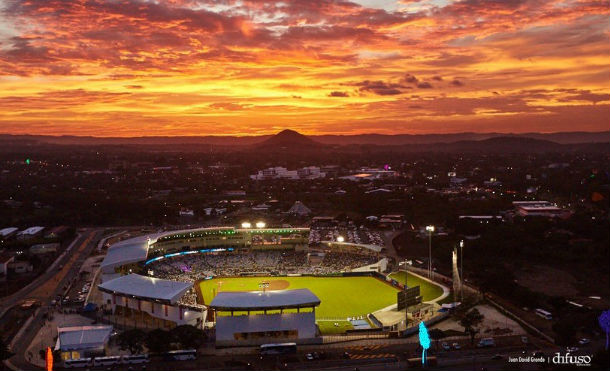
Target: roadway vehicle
x: 309, y: 357
x: 135, y: 359
x: 486, y: 342
x: 445, y: 346
x: 544, y: 314
x: 106, y: 361
x: 78, y: 363
x: 456, y: 346
x: 277, y: 349
x: 180, y: 355
x: 584, y: 341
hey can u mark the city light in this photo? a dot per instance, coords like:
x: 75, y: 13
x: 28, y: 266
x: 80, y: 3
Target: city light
x: 246, y: 225
x: 340, y: 239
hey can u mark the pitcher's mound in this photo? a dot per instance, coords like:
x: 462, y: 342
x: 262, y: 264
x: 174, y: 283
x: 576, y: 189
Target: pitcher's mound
x: 278, y: 285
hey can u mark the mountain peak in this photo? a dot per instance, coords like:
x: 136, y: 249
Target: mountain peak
x: 289, y: 133
x: 289, y: 138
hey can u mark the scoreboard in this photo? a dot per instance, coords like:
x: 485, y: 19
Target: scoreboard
x: 408, y: 297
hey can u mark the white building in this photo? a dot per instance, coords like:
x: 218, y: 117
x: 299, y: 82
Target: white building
x: 261, y: 328
x: 31, y: 232
x: 82, y: 341
x: 152, y: 299
x: 309, y: 172
x: 540, y: 208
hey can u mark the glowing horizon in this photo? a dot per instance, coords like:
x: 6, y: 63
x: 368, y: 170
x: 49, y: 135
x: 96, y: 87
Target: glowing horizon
x: 251, y: 67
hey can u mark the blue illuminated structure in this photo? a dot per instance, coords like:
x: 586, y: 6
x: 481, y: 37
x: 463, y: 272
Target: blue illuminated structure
x: 424, y: 341
x: 203, y: 251
x: 604, y: 323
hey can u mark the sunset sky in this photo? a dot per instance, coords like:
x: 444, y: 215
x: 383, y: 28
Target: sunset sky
x: 202, y: 67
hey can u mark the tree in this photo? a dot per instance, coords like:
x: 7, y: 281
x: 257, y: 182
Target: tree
x: 470, y: 321
x: 436, y: 335
x: 158, y: 341
x: 133, y: 340
x: 565, y: 332
x: 4, y: 354
x: 188, y: 336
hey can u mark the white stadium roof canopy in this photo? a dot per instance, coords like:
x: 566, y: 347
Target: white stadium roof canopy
x: 82, y: 337
x: 257, y: 300
x: 128, y: 251
x: 144, y: 287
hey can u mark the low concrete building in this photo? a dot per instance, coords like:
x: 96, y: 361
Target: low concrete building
x: 76, y: 342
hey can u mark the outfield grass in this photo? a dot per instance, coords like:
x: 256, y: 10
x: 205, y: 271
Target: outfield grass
x: 340, y: 297
x: 429, y: 291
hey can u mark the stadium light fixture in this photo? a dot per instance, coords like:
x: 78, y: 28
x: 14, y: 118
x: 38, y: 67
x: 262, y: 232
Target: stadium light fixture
x: 260, y: 225
x: 430, y: 229
x: 246, y: 225
x: 340, y: 239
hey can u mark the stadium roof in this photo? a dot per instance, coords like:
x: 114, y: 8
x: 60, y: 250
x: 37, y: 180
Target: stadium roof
x: 82, y: 337
x: 124, y: 252
x: 7, y: 231
x: 30, y: 231
x: 375, y: 248
x: 257, y: 300
x: 144, y: 287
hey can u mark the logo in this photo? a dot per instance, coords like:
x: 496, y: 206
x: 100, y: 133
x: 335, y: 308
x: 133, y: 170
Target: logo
x: 569, y: 359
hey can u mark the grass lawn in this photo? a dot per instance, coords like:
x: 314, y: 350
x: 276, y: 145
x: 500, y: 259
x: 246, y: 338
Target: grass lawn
x: 329, y: 328
x: 340, y: 297
x: 428, y: 290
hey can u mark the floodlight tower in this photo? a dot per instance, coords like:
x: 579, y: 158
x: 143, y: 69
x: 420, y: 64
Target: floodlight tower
x: 430, y: 229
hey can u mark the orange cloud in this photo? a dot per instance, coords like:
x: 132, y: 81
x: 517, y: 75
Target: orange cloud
x: 191, y: 67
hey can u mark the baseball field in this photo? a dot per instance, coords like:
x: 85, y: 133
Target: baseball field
x: 340, y: 297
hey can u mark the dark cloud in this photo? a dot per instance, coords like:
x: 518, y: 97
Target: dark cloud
x: 410, y: 79
x: 456, y: 82
x: 424, y: 85
x: 380, y: 87
x: 339, y: 94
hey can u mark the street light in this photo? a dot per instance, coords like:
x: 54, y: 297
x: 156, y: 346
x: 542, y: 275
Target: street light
x: 340, y: 239
x: 246, y: 225
x: 461, y: 269
x: 430, y: 229
x: 260, y: 225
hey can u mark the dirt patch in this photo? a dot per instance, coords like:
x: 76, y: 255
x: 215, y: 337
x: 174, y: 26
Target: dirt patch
x: 547, y: 280
x: 278, y: 285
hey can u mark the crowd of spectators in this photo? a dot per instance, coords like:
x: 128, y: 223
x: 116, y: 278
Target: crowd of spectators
x: 190, y: 268
x: 352, y: 235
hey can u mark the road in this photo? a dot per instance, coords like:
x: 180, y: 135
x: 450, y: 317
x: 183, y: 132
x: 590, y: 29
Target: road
x: 44, y: 288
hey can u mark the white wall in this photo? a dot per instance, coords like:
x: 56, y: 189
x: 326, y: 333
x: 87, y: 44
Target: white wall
x: 157, y: 310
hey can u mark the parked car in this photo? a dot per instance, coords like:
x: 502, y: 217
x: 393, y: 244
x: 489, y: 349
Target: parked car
x: 584, y: 341
x: 486, y: 342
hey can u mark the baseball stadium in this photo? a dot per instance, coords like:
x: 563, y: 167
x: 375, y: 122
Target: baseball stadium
x: 255, y: 285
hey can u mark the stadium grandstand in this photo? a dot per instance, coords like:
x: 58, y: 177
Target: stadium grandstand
x: 154, y: 280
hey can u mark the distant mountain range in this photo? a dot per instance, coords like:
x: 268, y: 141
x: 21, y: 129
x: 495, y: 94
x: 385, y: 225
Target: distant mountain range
x: 290, y: 140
